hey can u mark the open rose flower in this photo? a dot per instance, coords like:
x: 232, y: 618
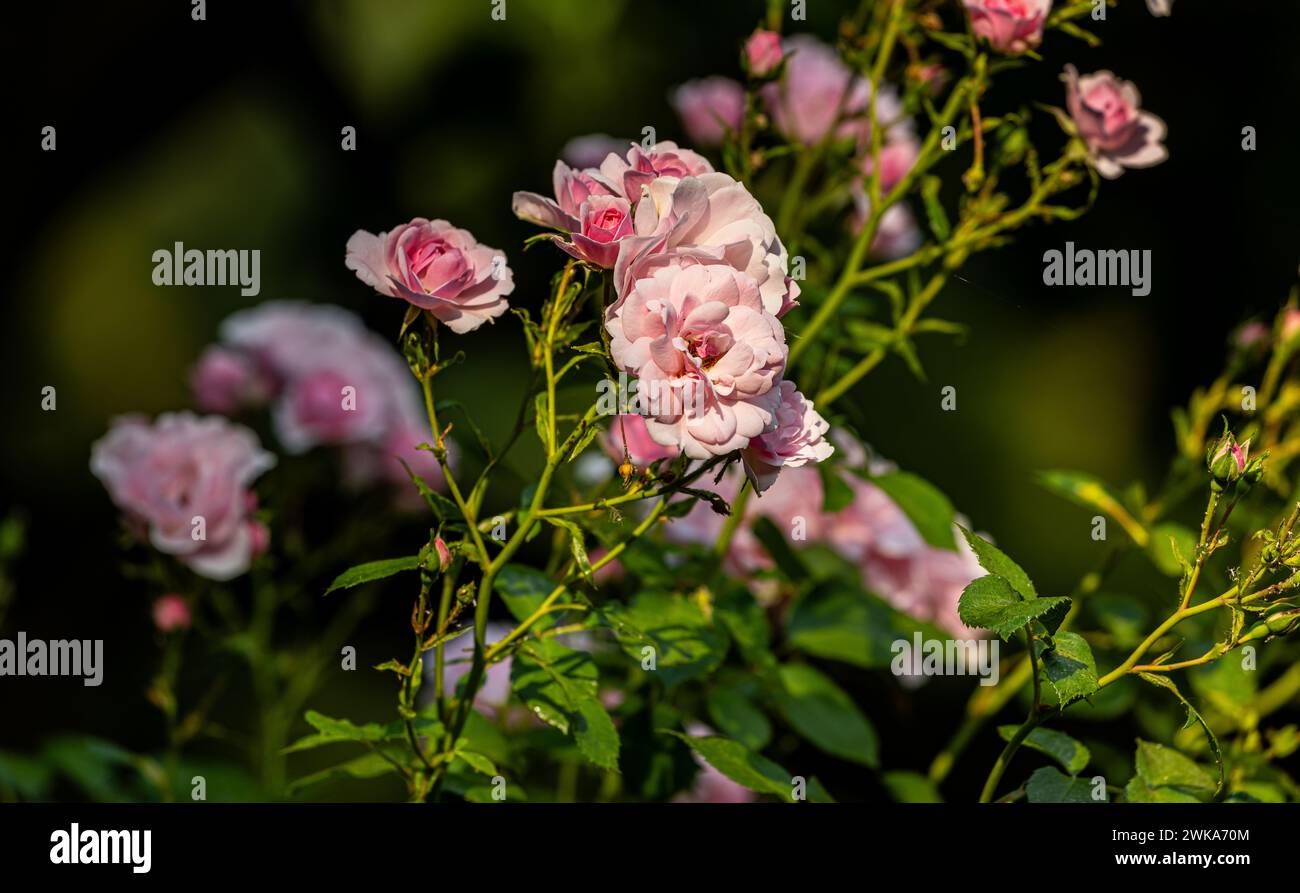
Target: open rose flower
x: 226, y: 381
x: 436, y: 267
x: 1009, y: 26
x: 1108, y: 113
x: 184, y: 482
x: 706, y: 353
x: 711, y: 216
x: 630, y: 173
x: 799, y: 438
x: 709, y: 107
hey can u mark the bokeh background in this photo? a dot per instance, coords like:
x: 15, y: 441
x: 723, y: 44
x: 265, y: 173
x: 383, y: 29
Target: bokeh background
x: 226, y: 133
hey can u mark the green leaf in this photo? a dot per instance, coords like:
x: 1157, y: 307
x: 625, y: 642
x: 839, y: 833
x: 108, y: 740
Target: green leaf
x: 558, y: 684
x: 995, y: 561
x: 839, y: 621
x: 334, y: 731
x: 1171, y: 548
x: 1069, y: 666
x: 478, y: 762
x: 1072, y: 755
x: 741, y: 765
x: 1048, y: 785
x: 523, y: 589
x: 930, y: 186
x: 541, y: 417
x: 735, y: 715
x: 836, y: 493
x: 991, y: 602
x: 576, y: 545
x: 746, y: 621
x: 911, y: 787
x: 373, y: 570
x: 1193, y: 716
x: 371, y: 765
x: 685, y: 643
x: 1166, y: 776
x: 443, y: 508
x: 820, y: 711
x: 925, y: 506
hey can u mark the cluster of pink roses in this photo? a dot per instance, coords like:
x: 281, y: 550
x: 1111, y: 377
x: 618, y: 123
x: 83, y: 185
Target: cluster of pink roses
x: 700, y: 281
x: 329, y: 381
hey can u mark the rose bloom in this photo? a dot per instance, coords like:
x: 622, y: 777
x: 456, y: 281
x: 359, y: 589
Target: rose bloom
x: 1107, y: 112
x: 1009, y: 26
x: 711, y: 217
x: 436, y: 267
x: 706, y: 353
x: 763, y: 52
x: 588, y: 209
x: 165, y: 474
x: 628, y: 438
x: 799, y: 438
x: 709, y: 107
x: 641, y: 166
x: 334, y: 382
x: 818, y: 93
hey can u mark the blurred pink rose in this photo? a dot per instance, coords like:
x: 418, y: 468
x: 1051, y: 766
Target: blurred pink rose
x: 709, y: 107
x: 763, y: 52
x: 1108, y: 113
x: 590, y: 149
x: 227, y: 381
x: 185, y: 480
x: 436, y: 267
x: 799, y: 438
x: 170, y: 613
x: 818, y: 93
x: 705, y: 352
x: 1009, y: 26
x: 896, y: 158
x: 628, y: 438
x: 897, y: 234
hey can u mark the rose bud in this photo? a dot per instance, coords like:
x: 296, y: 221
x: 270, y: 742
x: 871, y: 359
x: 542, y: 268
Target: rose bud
x: 763, y: 53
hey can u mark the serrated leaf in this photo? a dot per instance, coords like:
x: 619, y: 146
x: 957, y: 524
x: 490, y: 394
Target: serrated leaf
x: 686, y: 644
x: 1160, y: 767
x: 1049, y: 785
x: 990, y: 602
x: 370, y: 765
x: 1069, y: 666
x: 559, y: 684
x: 735, y: 715
x: 741, y: 765
x: 594, y: 732
x: 373, y: 570
x: 576, y: 546
x: 1193, y: 716
x: 995, y: 561
x: 821, y: 712
x: 925, y: 506
x: 1072, y: 755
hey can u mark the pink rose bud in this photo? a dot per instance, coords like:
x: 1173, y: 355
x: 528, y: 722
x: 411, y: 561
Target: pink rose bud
x: 436, y: 267
x: 763, y: 52
x: 1290, y: 325
x: 709, y: 108
x: 1251, y: 335
x: 603, y: 222
x: 185, y: 482
x: 170, y: 613
x: 1107, y: 112
x: 1009, y: 26
x: 444, y: 554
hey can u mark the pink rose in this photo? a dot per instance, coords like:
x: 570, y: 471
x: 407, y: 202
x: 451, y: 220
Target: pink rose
x: 185, y: 481
x: 590, y: 210
x: 1118, y: 133
x: 226, y: 381
x: 763, y: 52
x: 818, y: 94
x: 628, y: 438
x: 642, y: 166
x: 170, y: 613
x: 368, y: 464
x: 1009, y: 26
x: 436, y: 267
x: 603, y: 222
x: 799, y: 438
x: 706, y: 354
x: 709, y: 108
x: 897, y: 234
x: 896, y: 158
x: 334, y: 381
x: 711, y: 216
